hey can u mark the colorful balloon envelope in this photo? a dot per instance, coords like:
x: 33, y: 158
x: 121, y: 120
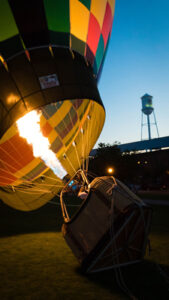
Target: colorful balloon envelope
x: 51, y: 56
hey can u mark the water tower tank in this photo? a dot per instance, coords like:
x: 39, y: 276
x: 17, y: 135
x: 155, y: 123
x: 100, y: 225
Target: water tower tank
x: 147, y: 106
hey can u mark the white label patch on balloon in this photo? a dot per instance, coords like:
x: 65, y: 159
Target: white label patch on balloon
x: 48, y: 81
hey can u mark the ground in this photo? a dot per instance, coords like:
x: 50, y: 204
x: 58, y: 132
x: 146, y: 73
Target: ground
x: 36, y: 263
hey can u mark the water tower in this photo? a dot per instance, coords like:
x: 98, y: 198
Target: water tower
x: 147, y: 109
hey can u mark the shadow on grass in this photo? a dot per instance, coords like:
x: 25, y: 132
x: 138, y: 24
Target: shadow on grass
x: 145, y: 280
x: 160, y: 220
x: 44, y: 219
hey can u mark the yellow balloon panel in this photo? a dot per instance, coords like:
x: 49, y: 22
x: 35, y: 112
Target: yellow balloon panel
x: 98, y: 9
x: 112, y: 5
x: 79, y: 21
x: 72, y: 128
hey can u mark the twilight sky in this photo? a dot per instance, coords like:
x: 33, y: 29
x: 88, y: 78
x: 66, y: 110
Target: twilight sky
x: 137, y: 62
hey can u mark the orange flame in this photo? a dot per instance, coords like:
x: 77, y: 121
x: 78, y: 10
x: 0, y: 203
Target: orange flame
x: 29, y: 128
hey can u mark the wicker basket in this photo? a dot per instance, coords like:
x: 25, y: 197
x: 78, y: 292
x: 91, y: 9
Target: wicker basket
x: 111, y: 227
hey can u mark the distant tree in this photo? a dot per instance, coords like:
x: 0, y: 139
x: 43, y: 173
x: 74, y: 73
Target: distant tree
x: 125, y: 166
x: 107, y: 155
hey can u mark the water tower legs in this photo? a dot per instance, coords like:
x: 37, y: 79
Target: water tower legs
x: 155, y: 122
x: 149, y: 129
x: 148, y: 124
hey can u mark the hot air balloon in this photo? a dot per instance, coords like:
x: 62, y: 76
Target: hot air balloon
x: 51, y: 56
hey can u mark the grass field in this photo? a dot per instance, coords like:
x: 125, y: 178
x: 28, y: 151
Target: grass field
x: 36, y: 263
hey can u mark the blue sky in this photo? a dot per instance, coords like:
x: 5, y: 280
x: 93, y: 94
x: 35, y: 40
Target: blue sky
x: 137, y: 62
